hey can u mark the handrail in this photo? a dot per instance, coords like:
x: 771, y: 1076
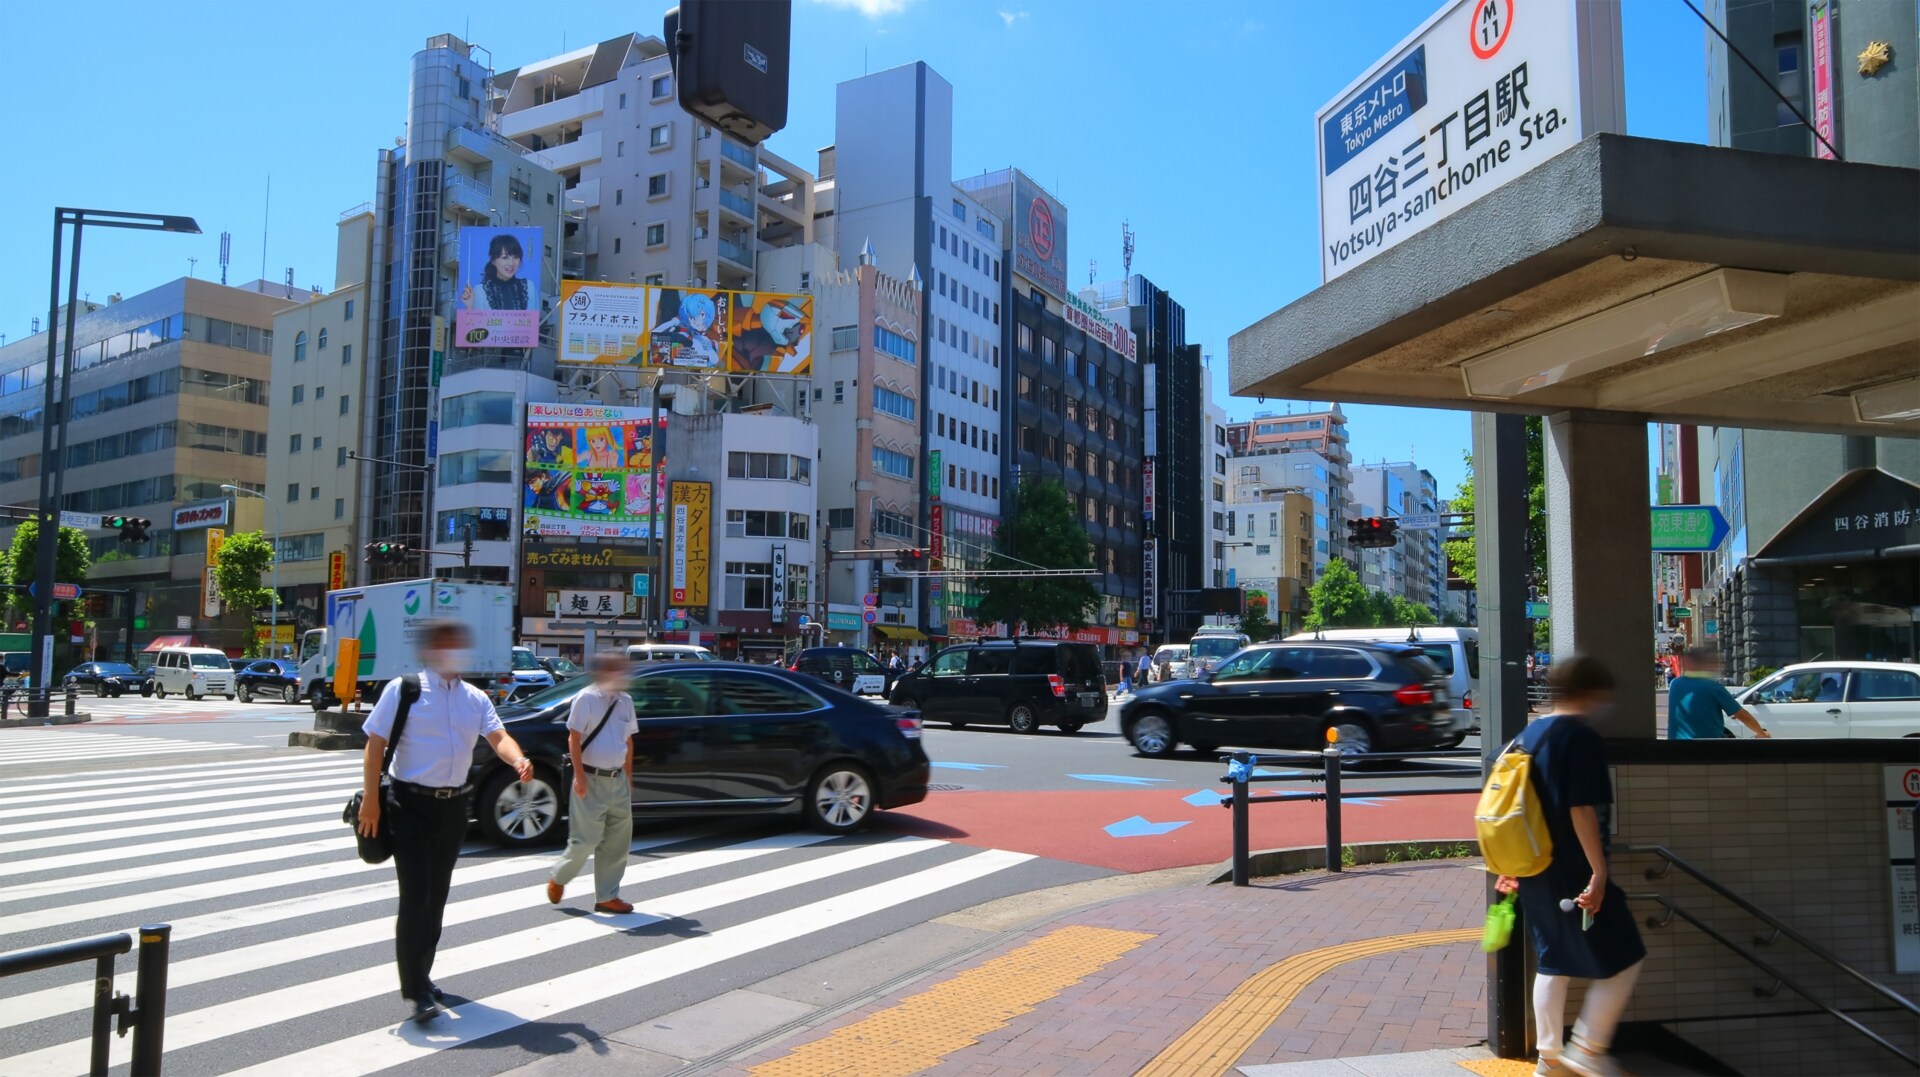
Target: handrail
x: 145, y: 1014
x: 1775, y: 923
x: 1782, y: 978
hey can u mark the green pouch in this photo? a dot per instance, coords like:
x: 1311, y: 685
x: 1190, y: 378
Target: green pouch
x: 1499, y: 930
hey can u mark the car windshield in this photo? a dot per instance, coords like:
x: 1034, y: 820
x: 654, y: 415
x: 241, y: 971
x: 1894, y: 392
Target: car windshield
x: 1171, y: 654
x: 112, y: 667
x: 1213, y: 646
x: 526, y: 660
x: 547, y: 697
x: 209, y: 661
x: 565, y: 667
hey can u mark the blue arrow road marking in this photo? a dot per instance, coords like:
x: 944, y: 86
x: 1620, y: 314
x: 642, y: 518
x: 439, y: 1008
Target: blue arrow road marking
x: 1366, y: 802
x: 1118, y: 779
x: 1263, y: 772
x: 1138, y: 827
x: 970, y: 766
x: 1205, y: 798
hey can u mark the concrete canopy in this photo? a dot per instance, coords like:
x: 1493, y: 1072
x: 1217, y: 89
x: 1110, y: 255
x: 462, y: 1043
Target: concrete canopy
x: 1605, y: 223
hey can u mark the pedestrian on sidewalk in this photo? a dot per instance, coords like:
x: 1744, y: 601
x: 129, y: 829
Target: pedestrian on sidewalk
x: 1698, y: 704
x: 427, y: 802
x: 1576, y: 797
x: 600, y: 730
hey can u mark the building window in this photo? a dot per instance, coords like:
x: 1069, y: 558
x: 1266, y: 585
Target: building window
x: 293, y: 443
x: 320, y: 341
x: 1792, y: 85
x: 476, y: 465
x: 657, y: 234
x: 839, y: 392
x: 660, y: 136
x: 959, y: 210
x: 616, y: 244
x: 300, y: 346
x: 623, y: 101
x: 657, y: 185
x: 748, y: 585
x: 293, y: 491
x: 619, y: 196
x: 346, y: 355
x: 299, y: 394
x: 846, y: 338
x: 656, y: 278
x: 1023, y: 338
x: 316, y: 443
x: 319, y: 392
x: 476, y: 409
x: 892, y: 343
x: 340, y: 456
x: 769, y: 465
x: 662, y: 86
x: 893, y: 403
x: 620, y: 149
x: 346, y: 314
x: 339, y: 508
x: 345, y: 403
x: 840, y: 519
x: 888, y: 462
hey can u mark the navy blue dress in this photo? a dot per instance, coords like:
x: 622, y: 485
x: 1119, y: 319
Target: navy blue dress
x: 1570, y: 771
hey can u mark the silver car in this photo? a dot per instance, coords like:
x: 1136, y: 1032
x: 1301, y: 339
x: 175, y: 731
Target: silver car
x: 1171, y: 663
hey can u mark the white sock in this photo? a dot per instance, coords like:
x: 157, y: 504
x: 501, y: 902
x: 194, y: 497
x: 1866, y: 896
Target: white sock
x: 1549, y: 1012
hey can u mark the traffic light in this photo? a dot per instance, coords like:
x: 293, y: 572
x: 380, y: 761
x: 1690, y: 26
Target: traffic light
x: 910, y: 559
x: 131, y: 528
x: 466, y: 548
x: 1372, y: 533
x: 385, y: 553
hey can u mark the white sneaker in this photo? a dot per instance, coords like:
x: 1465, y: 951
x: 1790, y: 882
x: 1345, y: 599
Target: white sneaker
x: 1587, y: 1062
x: 1550, y: 1066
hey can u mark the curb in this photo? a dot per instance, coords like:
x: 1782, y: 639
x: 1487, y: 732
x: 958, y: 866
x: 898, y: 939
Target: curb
x: 1301, y: 858
x: 52, y: 719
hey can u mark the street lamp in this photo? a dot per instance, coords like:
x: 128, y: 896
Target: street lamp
x: 52, y: 454
x: 241, y: 491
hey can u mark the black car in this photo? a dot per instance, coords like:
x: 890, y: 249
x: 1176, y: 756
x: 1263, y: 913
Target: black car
x: 268, y: 678
x: 1380, y: 697
x: 848, y: 668
x: 716, y: 739
x: 1024, y: 683
x: 109, y: 678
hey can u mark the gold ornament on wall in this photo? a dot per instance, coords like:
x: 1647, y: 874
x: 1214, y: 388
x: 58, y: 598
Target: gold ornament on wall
x: 1875, y: 56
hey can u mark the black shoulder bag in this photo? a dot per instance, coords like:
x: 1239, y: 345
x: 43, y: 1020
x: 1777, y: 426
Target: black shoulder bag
x: 379, y: 848
x: 603, y: 724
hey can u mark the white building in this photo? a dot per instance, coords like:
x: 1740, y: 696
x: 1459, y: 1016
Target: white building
x: 1254, y: 479
x: 1214, y: 453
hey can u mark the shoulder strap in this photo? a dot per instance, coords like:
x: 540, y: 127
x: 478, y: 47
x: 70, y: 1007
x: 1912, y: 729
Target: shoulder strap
x: 615, y: 702
x: 409, y: 692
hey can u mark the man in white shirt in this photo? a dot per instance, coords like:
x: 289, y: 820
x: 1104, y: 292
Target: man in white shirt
x: 427, y: 801
x: 600, y: 730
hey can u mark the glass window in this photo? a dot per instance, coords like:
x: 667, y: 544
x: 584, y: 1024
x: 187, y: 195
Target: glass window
x: 677, y: 693
x: 346, y: 355
x: 1341, y: 664
x: 320, y: 341
x: 299, y: 393
x: 293, y: 491
x: 660, y: 135
x: 951, y: 663
x: 1248, y: 665
x: 477, y: 409
x: 754, y: 693
x: 991, y: 662
x: 656, y: 235
x: 293, y: 443
x: 477, y: 465
x: 657, y: 185
x: 1878, y: 685
x: 347, y: 311
x: 662, y: 86
x: 345, y: 403
x: 299, y: 342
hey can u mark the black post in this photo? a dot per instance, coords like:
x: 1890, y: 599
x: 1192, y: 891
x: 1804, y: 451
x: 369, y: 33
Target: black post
x: 1240, y: 855
x: 41, y: 664
x: 69, y: 700
x: 150, y: 1000
x: 102, y: 1015
x: 1332, y: 756
x: 1501, y: 556
x: 132, y: 599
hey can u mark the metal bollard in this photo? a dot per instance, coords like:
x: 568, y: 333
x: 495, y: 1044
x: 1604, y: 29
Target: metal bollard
x: 1241, y: 768
x: 69, y: 700
x: 150, y: 1000
x: 1332, y: 765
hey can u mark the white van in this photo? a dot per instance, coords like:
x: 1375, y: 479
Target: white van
x: 193, y: 672
x: 1455, y: 650
x: 668, y: 652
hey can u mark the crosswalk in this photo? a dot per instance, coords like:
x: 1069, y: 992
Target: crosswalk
x: 40, y: 745
x: 282, y: 945
x: 139, y: 710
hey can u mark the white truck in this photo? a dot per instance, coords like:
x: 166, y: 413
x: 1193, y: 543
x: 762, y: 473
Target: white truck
x: 388, y: 618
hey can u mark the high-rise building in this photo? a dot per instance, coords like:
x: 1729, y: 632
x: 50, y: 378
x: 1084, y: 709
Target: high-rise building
x: 1414, y: 568
x: 1253, y: 479
x: 1323, y: 432
x: 1275, y: 555
x: 1213, y: 471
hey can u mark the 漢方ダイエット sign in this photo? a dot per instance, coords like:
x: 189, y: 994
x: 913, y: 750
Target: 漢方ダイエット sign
x: 1483, y: 92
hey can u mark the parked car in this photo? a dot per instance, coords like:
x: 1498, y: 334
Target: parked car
x: 1836, y: 699
x: 1172, y: 663
x: 669, y: 652
x: 108, y: 679
x: 193, y: 672
x: 1024, y: 683
x: 1380, y: 697
x: 1455, y: 650
x: 716, y: 739
x: 561, y: 668
x: 269, y: 678
x: 844, y: 667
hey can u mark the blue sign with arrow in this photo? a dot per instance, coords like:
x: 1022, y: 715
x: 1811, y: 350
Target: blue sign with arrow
x: 1119, y: 779
x: 1138, y: 827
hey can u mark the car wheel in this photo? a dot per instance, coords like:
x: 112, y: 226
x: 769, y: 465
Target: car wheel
x: 246, y: 696
x: 1070, y: 728
x: 839, y: 799
x: 1021, y: 718
x: 99, y: 690
x: 159, y: 692
x: 1451, y: 742
x: 1356, y: 737
x: 190, y: 694
x: 289, y: 694
x: 1152, y: 735
x: 518, y: 813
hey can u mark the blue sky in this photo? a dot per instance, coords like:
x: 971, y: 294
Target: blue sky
x: 1192, y: 120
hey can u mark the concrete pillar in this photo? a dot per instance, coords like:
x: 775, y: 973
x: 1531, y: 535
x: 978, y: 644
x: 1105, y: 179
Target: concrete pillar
x: 1599, y: 555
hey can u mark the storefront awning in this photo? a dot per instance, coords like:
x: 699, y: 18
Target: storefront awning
x: 899, y: 632
x: 161, y: 643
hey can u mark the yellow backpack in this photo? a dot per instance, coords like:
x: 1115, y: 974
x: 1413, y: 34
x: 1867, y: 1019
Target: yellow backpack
x: 1509, y: 820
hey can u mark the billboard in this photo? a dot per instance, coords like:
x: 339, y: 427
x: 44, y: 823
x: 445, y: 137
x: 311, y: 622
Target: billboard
x: 588, y: 468
x: 692, y: 542
x: 643, y: 325
x: 1820, y: 16
x: 499, y: 298
x: 1039, y: 235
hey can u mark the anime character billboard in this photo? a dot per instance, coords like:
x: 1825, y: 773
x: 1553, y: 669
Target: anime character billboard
x: 603, y: 324
x: 771, y: 334
x: 588, y: 470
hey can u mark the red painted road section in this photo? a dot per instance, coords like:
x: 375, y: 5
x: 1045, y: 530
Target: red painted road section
x: 1070, y: 825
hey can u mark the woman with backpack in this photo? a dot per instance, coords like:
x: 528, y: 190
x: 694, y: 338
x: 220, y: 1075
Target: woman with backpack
x: 1592, y: 936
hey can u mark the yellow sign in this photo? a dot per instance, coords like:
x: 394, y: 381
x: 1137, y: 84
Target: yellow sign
x: 215, y: 537
x: 1125, y: 619
x: 336, y: 571
x: 346, y: 670
x: 611, y: 324
x: 692, y: 530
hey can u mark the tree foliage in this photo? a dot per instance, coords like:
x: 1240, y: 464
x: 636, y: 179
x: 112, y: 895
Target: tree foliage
x: 1046, y: 532
x: 72, y: 560
x: 1340, y: 600
x: 1462, y: 553
x: 1254, y: 623
x: 237, y: 569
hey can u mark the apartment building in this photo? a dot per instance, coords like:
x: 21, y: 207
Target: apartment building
x: 1274, y: 554
x: 1418, y: 567
x: 1322, y: 432
x: 1253, y: 480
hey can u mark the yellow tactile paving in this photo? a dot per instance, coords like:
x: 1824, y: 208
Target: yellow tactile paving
x: 1499, y: 1067
x: 1216, y: 1042
x: 921, y: 1030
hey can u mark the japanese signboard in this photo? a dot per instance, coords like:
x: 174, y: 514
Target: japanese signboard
x: 1039, y: 235
x: 336, y: 571
x: 934, y: 475
x: 1150, y: 578
x: 1687, y: 528
x: 1082, y: 316
x: 1903, y: 791
x: 642, y: 325
x: 1146, y: 489
x: 1483, y: 92
x: 692, y: 542
x: 778, y: 597
x: 210, y: 514
x: 588, y: 470
x: 499, y: 300
x: 1820, y: 22
x: 605, y: 605
x: 536, y: 554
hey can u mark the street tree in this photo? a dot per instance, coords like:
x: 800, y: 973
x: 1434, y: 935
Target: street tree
x: 242, y: 559
x: 1254, y: 623
x: 1045, y: 532
x: 1405, y: 611
x: 1340, y: 600
x: 72, y: 560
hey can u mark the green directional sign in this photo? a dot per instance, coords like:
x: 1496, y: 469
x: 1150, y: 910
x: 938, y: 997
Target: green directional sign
x: 1536, y: 611
x: 1687, y: 528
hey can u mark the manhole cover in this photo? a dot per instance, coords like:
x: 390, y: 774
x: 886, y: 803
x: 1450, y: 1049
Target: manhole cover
x: 941, y: 787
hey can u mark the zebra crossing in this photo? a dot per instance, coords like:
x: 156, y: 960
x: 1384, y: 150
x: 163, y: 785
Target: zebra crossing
x: 282, y: 938
x: 41, y: 745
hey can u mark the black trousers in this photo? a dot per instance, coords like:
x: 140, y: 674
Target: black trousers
x: 427, y: 834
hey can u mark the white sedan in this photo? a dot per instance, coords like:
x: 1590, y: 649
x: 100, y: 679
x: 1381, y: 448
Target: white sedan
x: 1836, y: 700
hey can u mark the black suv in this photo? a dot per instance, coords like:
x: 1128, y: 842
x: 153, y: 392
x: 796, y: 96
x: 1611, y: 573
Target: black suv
x: 1380, y: 696
x: 846, y: 668
x: 1026, y: 683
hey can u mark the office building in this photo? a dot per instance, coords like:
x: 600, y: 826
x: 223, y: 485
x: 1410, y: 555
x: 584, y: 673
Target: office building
x: 168, y: 402
x: 1254, y: 479
x: 1322, y: 432
x: 1414, y: 568
x: 1274, y: 556
x: 1213, y: 461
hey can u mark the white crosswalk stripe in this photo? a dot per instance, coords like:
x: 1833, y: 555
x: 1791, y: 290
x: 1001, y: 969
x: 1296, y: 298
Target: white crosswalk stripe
x: 282, y: 938
x: 32, y: 745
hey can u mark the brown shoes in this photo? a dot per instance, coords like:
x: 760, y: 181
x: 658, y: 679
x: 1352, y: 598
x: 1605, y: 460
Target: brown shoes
x: 615, y: 906
x: 554, y: 892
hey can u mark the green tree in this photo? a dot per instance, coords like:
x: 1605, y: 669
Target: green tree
x: 1045, y: 532
x: 237, y: 569
x: 1461, y: 551
x: 1254, y: 622
x: 1405, y: 611
x: 72, y: 560
x: 1339, y: 599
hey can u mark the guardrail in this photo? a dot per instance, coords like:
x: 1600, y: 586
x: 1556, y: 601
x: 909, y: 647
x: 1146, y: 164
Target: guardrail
x: 145, y: 1014
x: 19, y: 703
x: 1240, y: 774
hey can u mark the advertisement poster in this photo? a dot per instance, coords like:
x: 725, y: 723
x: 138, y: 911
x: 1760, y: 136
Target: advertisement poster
x: 499, y: 298
x: 692, y: 542
x: 1820, y: 16
x: 1903, y: 792
x: 646, y: 326
x: 588, y: 468
x: 336, y: 570
x: 1039, y: 235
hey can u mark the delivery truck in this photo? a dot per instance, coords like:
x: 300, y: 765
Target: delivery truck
x: 388, y: 620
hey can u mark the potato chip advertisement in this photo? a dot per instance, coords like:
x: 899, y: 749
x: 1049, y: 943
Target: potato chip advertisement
x: 588, y: 469
x: 499, y: 298
x: 604, y: 324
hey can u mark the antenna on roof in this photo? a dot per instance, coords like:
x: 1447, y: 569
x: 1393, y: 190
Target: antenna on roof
x: 226, y: 254
x: 1126, y: 248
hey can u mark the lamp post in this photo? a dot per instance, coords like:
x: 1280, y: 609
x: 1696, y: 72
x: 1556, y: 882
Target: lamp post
x: 241, y: 491
x: 53, y: 409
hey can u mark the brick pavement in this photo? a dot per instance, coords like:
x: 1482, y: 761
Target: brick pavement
x: 1206, y: 942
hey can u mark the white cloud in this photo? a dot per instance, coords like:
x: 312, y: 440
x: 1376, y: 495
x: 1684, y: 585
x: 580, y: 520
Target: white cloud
x: 872, y: 9
x: 1011, y: 17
